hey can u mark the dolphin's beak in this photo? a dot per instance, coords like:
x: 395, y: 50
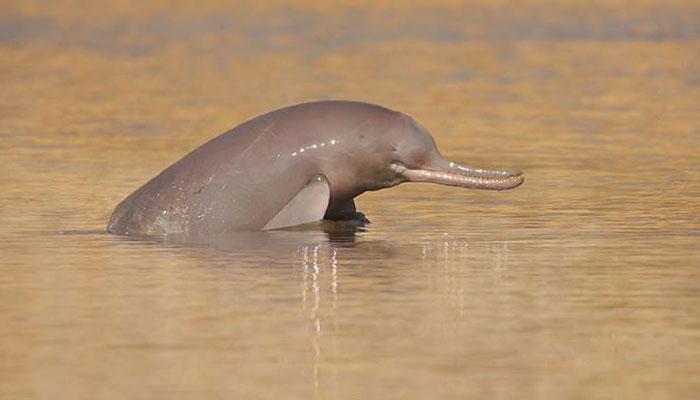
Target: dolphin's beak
x: 453, y: 174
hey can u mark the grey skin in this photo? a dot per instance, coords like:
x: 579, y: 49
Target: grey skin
x: 293, y: 166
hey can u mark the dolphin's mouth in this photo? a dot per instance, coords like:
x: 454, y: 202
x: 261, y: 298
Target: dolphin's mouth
x: 453, y: 174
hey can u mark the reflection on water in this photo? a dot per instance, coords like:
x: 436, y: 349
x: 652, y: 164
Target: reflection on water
x: 583, y: 282
x: 317, y: 267
x: 311, y: 297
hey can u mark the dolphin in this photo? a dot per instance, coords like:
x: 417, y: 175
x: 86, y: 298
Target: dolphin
x: 293, y: 166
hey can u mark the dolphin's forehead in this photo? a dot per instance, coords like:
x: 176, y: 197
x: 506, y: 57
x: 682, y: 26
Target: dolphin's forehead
x: 338, y: 107
x: 346, y: 121
x: 340, y: 115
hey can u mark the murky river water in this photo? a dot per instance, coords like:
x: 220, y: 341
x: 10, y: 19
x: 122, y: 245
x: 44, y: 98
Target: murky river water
x: 582, y: 283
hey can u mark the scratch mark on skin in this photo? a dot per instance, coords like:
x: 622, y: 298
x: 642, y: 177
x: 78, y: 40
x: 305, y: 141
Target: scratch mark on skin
x: 267, y: 130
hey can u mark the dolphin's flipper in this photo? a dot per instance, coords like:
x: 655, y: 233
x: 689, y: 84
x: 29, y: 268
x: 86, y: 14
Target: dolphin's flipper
x: 308, y: 205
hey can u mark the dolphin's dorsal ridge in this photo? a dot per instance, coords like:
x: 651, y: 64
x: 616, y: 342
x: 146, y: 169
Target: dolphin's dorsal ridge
x: 308, y: 205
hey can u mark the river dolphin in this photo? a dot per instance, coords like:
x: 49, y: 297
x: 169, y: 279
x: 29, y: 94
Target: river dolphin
x: 293, y: 166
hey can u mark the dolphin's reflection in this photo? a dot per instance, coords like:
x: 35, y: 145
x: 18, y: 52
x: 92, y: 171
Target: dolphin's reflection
x: 314, y: 250
x: 318, y: 263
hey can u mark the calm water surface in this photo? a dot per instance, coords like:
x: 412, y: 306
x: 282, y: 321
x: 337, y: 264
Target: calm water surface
x: 582, y: 283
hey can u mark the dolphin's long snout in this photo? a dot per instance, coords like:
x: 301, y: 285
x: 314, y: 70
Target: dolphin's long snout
x: 454, y: 174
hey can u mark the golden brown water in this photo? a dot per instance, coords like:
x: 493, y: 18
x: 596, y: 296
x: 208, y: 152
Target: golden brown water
x: 582, y: 283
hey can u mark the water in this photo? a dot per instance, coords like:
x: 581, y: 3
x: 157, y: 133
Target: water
x: 582, y: 283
